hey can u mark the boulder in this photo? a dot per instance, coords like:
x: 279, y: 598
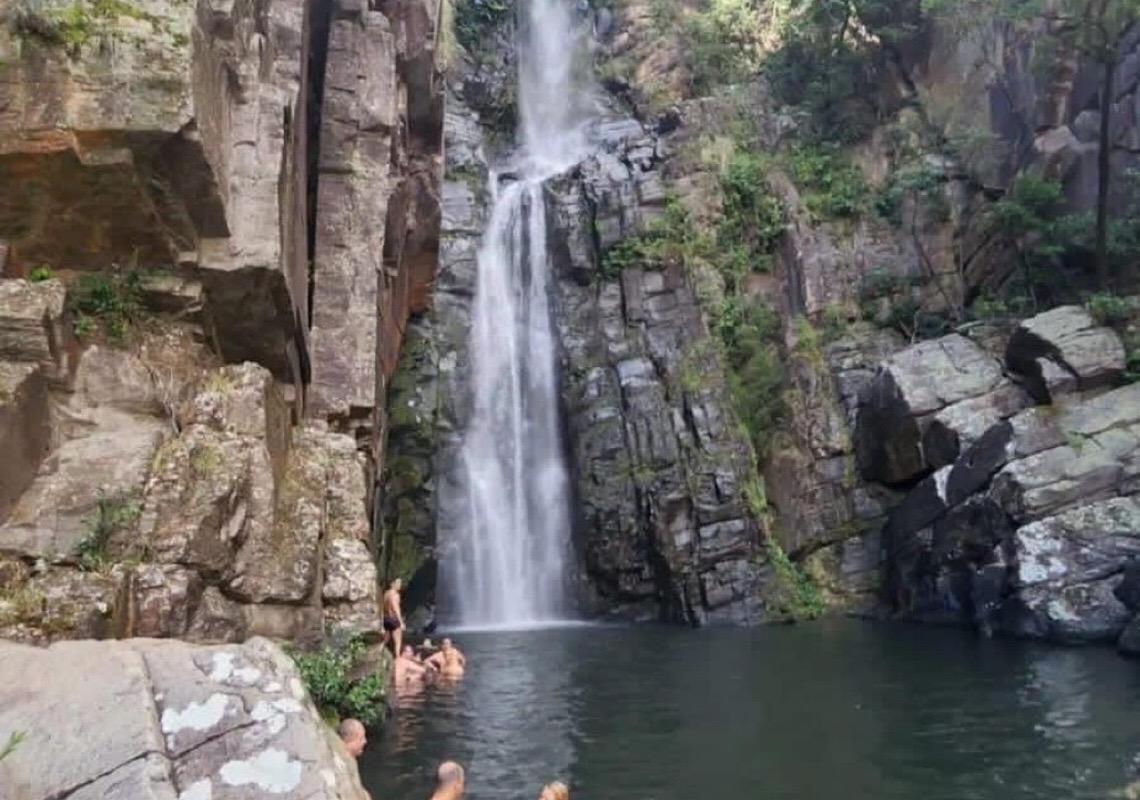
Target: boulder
x: 1064, y: 351
x: 1038, y: 488
x: 1066, y: 568
x: 31, y: 324
x: 173, y: 720
x: 926, y: 404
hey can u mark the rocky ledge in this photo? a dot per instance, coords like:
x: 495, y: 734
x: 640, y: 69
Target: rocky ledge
x: 1024, y: 516
x: 172, y: 721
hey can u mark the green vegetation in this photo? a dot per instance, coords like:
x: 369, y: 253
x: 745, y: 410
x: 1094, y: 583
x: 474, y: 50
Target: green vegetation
x: 40, y: 274
x: 23, y: 604
x: 14, y: 740
x: 75, y: 24
x: 328, y: 674
x: 112, y: 514
x: 918, y: 183
x: 832, y: 187
x: 475, y: 21
x: 796, y: 595
x: 111, y: 300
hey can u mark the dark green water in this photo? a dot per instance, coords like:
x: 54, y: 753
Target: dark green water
x: 842, y: 710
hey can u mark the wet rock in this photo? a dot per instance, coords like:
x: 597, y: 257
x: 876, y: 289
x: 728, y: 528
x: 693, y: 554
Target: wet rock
x: 175, y: 720
x: 1066, y: 568
x: 1064, y: 351
x: 1026, y: 532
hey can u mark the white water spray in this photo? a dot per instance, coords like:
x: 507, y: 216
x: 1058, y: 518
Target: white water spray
x: 509, y: 563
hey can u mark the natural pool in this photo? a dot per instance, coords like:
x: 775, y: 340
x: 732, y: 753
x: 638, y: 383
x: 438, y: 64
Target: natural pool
x: 839, y: 710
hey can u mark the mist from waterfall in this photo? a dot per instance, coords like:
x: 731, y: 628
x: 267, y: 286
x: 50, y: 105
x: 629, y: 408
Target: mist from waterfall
x: 508, y: 563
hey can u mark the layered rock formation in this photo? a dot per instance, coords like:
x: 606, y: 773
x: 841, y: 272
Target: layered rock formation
x: 186, y: 722
x: 254, y: 185
x: 1028, y: 521
x: 165, y: 501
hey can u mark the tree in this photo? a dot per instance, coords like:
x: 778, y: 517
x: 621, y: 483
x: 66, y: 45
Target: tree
x: 1096, y: 29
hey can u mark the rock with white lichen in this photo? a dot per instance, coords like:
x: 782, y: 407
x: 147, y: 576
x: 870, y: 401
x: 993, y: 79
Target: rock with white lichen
x: 173, y: 720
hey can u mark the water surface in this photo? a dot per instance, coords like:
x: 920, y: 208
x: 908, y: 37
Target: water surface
x: 842, y: 710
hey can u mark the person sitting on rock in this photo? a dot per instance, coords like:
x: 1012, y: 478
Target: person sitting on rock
x: 555, y: 790
x: 353, y: 735
x: 449, y: 661
x: 449, y: 782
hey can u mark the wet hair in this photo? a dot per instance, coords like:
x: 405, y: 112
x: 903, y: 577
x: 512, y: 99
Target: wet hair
x: 448, y: 773
x: 558, y: 790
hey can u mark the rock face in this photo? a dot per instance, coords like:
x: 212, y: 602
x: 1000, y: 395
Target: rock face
x: 1030, y: 527
x: 185, y: 722
x: 928, y: 403
x: 211, y: 519
x: 272, y: 171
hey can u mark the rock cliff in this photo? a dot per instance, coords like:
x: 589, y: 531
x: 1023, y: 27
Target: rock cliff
x: 225, y: 215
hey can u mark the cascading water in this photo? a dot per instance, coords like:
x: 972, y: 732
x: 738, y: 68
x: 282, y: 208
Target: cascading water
x: 509, y: 561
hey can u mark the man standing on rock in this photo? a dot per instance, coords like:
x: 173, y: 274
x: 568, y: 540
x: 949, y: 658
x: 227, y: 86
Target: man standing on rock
x: 449, y: 781
x: 393, y: 617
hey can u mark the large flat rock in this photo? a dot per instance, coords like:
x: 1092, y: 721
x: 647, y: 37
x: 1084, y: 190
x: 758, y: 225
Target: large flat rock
x: 146, y: 719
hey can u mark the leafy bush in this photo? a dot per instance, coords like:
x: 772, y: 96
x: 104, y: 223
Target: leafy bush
x: 753, y: 218
x: 40, y: 274
x: 328, y: 675
x: 112, y: 300
x: 112, y: 514
x: 832, y: 187
x: 476, y: 20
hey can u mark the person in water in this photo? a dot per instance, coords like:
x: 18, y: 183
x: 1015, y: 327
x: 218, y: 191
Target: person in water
x: 408, y: 668
x: 555, y: 790
x: 392, y: 616
x: 449, y: 782
x: 353, y: 735
x: 448, y: 660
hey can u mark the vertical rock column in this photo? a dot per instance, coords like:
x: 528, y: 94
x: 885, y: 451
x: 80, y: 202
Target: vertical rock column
x: 358, y: 117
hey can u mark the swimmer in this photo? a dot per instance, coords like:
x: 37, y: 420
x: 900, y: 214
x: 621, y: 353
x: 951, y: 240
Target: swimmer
x: 392, y: 616
x: 449, y: 782
x: 449, y: 661
x: 407, y: 668
x: 555, y: 790
x: 353, y: 735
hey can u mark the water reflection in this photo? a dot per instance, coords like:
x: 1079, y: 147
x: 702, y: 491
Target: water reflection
x: 510, y: 721
x: 849, y: 710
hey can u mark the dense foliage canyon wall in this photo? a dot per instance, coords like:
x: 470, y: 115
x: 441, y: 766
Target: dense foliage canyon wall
x: 216, y: 221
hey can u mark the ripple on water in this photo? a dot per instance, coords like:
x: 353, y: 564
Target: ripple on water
x: 850, y: 710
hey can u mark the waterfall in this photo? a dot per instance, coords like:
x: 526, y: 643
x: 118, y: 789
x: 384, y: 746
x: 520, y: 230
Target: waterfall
x: 508, y: 563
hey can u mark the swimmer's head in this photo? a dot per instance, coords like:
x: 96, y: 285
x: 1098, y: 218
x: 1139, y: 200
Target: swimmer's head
x: 556, y: 790
x: 449, y: 775
x: 353, y: 735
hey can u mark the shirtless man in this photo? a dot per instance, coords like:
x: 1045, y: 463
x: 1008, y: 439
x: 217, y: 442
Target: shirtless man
x: 449, y: 661
x: 449, y: 782
x: 354, y: 736
x: 408, y: 668
x: 393, y: 618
